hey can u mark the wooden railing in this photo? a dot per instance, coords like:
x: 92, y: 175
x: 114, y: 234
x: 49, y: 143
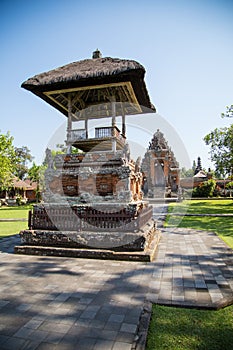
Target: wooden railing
x: 108, y: 131
x: 100, y: 133
x: 76, y: 134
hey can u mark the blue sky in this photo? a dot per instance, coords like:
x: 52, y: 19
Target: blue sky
x: 185, y: 46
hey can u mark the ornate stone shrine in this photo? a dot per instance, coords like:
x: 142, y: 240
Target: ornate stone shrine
x: 161, y: 172
x: 93, y: 205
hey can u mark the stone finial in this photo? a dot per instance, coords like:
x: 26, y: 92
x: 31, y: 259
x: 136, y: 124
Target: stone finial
x: 97, y: 54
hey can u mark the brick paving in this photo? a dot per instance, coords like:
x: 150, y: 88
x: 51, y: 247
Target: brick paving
x: 194, y: 268
x: 59, y: 303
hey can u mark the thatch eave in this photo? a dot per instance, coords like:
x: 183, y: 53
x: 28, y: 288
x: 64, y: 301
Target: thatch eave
x: 84, y: 70
x: 90, y: 72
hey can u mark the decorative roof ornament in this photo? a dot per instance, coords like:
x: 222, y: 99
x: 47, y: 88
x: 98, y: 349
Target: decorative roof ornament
x: 96, y: 54
x: 158, y: 142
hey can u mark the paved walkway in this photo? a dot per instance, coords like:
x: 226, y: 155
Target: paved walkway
x: 59, y: 303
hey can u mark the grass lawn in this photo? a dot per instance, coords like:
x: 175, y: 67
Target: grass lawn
x: 188, y: 329
x: 203, y: 206
x: 12, y: 228
x: 222, y: 226
x: 20, y: 212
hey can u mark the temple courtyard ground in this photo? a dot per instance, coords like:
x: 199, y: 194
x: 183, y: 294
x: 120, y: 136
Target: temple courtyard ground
x: 60, y: 303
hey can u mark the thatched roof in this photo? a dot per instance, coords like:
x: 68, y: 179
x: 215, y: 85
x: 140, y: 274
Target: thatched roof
x: 82, y: 71
x: 200, y: 174
x: 95, y: 74
x: 24, y: 184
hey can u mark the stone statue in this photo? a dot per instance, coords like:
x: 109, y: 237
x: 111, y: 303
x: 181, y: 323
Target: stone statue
x: 49, y: 158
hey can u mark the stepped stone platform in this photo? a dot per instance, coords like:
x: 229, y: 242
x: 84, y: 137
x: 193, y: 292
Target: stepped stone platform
x: 132, y: 246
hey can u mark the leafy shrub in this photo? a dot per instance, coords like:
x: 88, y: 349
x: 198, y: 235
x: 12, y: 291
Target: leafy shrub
x: 19, y: 199
x: 205, y: 189
x: 230, y: 184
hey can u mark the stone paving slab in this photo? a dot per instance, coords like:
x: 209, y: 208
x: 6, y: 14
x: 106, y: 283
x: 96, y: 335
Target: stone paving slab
x: 194, y: 268
x: 66, y: 303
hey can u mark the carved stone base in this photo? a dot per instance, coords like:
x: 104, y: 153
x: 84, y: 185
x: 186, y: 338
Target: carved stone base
x: 139, y: 246
x: 120, y: 241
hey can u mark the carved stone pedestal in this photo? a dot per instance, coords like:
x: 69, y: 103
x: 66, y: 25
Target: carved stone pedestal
x: 134, y: 246
x: 124, y: 231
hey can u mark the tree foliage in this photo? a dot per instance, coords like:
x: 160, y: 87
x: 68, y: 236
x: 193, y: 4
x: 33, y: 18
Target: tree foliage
x: 221, y: 149
x: 7, y: 160
x: 228, y: 113
x: 36, y: 174
x: 230, y: 185
x: 186, y: 172
x: 62, y: 149
x: 23, y: 158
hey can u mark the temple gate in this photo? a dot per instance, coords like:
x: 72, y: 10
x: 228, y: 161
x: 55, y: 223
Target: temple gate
x: 161, y: 173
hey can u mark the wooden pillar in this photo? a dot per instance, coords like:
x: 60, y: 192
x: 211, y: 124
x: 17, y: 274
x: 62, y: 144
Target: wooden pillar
x: 123, y: 131
x: 113, y: 103
x: 69, y: 121
x: 113, y: 124
x: 69, y: 125
x: 86, y: 126
x: 123, y: 125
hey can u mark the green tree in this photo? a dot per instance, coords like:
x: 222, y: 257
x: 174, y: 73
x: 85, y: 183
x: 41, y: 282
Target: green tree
x: 7, y: 160
x: 230, y: 184
x: 36, y: 174
x: 186, y: 172
x: 221, y: 149
x: 228, y: 113
x: 23, y: 158
x: 62, y: 149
